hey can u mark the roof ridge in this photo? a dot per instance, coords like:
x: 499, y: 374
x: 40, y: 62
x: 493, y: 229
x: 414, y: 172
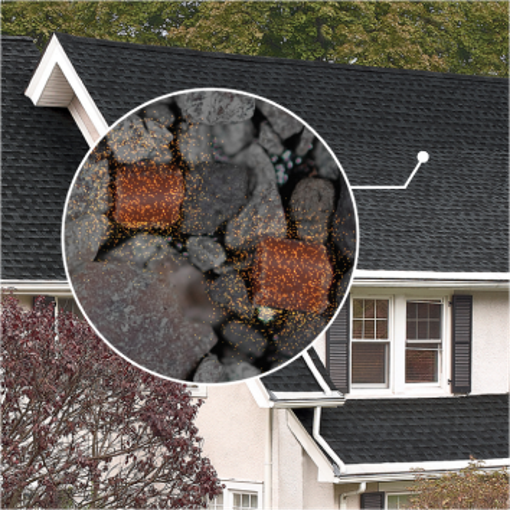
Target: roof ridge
x: 20, y: 38
x: 281, y: 60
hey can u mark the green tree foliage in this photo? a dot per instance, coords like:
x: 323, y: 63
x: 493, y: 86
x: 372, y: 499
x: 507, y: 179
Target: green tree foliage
x: 140, y: 22
x: 472, y: 487
x: 467, y: 37
x: 459, y: 37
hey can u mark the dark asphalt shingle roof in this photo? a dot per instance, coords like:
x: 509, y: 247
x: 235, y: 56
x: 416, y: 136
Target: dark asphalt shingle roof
x: 297, y: 376
x: 415, y: 430
x: 454, y: 215
x: 41, y: 151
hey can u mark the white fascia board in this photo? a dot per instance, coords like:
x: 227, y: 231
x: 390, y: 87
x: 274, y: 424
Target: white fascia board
x: 259, y: 393
x: 55, y: 55
x: 381, y: 278
x: 52, y: 287
x: 324, y: 466
x: 408, y: 470
x: 292, y: 399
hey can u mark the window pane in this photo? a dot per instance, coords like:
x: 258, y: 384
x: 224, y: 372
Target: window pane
x: 398, y: 502
x: 369, y: 363
x: 421, y: 365
x: 369, y: 308
x: 254, y: 501
x: 237, y: 500
x: 411, y: 330
x: 412, y: 310
x: 357, y: 308
x: 382, y: 308
x: 357, y: 329
x: 423, y: 330
x: 423, y: 310
x: 434, y: 330
x: 382, y: 330
x: 246, y: 501
x: 369, y: 329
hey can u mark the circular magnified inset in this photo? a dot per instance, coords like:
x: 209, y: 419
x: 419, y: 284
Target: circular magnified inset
x: 210, y: 236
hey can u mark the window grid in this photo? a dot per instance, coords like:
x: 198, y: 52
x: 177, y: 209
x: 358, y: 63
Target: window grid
x: 245, y: 501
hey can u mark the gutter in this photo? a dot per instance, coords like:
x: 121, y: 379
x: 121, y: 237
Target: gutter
x: 323, y: 443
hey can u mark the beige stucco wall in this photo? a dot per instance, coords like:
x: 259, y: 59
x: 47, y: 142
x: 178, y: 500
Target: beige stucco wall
x: 233, y: 427
x: 491, y: 343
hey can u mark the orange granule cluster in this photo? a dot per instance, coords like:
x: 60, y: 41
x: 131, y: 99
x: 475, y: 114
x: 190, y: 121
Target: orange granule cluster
x: 293, y: 275
x: 148, y: 195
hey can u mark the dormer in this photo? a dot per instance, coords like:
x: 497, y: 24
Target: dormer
x: 55, y: 83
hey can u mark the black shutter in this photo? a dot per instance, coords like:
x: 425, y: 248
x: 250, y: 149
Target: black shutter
x: 372, y: 501
x: 47, y: 300
x: 462, y: 327
x: 338, y: 349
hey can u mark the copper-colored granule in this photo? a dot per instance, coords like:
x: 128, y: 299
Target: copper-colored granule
x: 148, y: 195
x: 291, y: 275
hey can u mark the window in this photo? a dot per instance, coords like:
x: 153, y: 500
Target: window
x: 244, y: 501
x: 423, y: 341
x: 370, y: 342
x: 396, y: 343
x: 238, y: 496
x: 397, y: 501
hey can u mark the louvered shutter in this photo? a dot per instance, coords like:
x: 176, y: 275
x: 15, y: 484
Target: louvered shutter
x: 338, y: 349
x: 372, y: 501
x: 462, y: 327
x: 46, y: 301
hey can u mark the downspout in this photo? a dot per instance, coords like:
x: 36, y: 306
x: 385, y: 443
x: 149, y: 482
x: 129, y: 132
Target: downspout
x: 322, y: 442
x: 268, y: 466
x: 343, y: 497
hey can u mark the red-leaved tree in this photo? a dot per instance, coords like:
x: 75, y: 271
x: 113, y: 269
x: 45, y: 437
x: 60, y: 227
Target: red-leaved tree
x: 81, y: 427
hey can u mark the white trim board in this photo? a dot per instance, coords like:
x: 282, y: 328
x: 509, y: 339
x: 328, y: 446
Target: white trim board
x: 408, y: 470
x: 381, y: 278
x: 55, y: 82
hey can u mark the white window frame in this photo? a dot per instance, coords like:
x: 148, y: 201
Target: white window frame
x: 241, y: 487
x: 397, y: 344
x: 399, y: 493
x: 389, y: 354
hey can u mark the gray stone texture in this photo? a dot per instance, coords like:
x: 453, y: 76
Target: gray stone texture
x: 160, y: 113
x: 299, y: 330
x: 161, y: 139
x: 137, y: 250
x: 232, y: 138
x: 305, y: 142
x: 283, y: 123
x: 205, y: 253
x: 131, y: 141
x: 214, y: 193
x: 90, y: 193
x: 229, y: 291
x: 216, y: 107
x: 210, y: 370
x: 326, y: 165
x: 142, y: 318
x: 241, y: 371
x: 196, y: 143
x: 312, y: 204
x: 264, y: 215
x: 83, y: 237
x: 270, y: 140
x: 343, y: 230
x: 245, y: 338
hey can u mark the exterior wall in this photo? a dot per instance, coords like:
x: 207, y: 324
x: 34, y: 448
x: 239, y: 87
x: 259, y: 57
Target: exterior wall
x: 288, y: 483
x: 233, y: 427
x: 491, y: 344
x: 316, y: 495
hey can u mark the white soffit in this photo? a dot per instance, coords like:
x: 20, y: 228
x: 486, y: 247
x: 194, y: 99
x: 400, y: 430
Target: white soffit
x: 55, y: 82
x: 376, y: 278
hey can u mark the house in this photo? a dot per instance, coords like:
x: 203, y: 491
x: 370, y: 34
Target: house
x: 414, y: 373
